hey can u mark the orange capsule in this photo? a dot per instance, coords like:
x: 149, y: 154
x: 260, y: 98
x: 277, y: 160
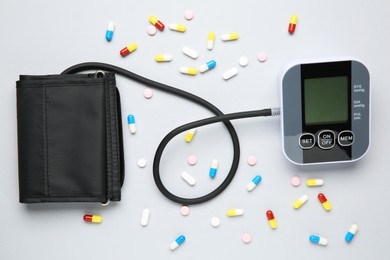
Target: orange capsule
x: 271, y: 219
x: 92, y: 218
x: 324, y: 201
x: 293, y: 24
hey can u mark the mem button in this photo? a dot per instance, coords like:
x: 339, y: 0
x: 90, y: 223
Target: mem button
x: 307, y: 141
x: 346, y: 138
x: 326, y: 139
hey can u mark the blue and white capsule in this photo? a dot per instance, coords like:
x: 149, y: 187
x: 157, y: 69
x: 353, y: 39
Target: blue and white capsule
x: 175, y: 244
x: 131, y: 122
x: 110, y: 31
x: 318, y: 240
x: 255, y: 181
x: 207, y: 66
x: 213, y: 168
x: 351, y: 233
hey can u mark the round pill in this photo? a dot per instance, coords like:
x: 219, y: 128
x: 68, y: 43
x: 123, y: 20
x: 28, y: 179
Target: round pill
x: 246, y: 238
x: 243, y: 61
x: 215, y: 222
x: 192, y: 160
x: 148, y: 93
x: 185, y: 210
x: 141, y: 163
x: 152, y: 30
x: 295, y: 181
x: 189, y: 14
x: 262, y: 56
x: 252, y: 160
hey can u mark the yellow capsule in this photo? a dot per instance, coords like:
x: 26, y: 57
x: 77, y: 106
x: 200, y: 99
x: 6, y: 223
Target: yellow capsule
x: 230, y: 37
x: 235, y: 212
x: 163, y: 57
x: 189, y: 71
x: 299, y: 202
x: 177, y: 27
x: 314, y: 182
x: 210, y: 40
x: 190, y: 134
x: 93, y: 218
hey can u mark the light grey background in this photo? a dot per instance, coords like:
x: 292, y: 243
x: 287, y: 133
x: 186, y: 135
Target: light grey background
x: 46, y: 37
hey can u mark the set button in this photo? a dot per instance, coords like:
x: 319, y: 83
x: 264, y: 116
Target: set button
x: 307, y: 141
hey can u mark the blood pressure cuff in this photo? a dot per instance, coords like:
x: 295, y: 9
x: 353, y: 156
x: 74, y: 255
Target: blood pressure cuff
x: 70, y: 144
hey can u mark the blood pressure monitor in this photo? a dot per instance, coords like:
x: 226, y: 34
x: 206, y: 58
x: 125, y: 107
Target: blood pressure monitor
x: 325, y: 111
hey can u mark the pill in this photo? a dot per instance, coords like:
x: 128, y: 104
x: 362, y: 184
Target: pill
x: 243, y: 61
x: 145, y: 217
x: 293, y: 24
x: 271, y: 219
x: 351, y: 233
x: 213, y: 168
x: 252, y: 160
x: 255, y: 181
x: 148, y: 93
x: 230, y: 73
x: 177, y: 27
x: 215, y: 221
x: 295, y: 181
x: 128, y: 49
x: 210, y: 40
x: 141, y: 163
x: 189, y: 14
x: 230, y: 37
x: 324, y: 201
x: 175, y: 244
x: 188, y: 178
x: 151, y: 30
x: 185, y: 210
x: 318, y: 240
x: 192, y: 160
x: 163, y: 57
x: 262, y: 56
x: 131, y: 122
x: 246, y: 238
x: 190, y: 52
x: 188, y: 71
x: 299, y: 202
x: 190, y: 135
x: 207, y: 66
x: 156, y: 22
x: 93, y: 218
x: 314, y: 182
x: 110, y: 31
x: 235, y: 212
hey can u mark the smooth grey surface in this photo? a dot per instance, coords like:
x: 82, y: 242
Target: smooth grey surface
x: 45, y: 37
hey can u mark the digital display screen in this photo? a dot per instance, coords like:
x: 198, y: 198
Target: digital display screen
x: 326, y: 100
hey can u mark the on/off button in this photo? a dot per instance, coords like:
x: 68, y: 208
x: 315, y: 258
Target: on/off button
x: 307, y: 141
x: 326, y: 139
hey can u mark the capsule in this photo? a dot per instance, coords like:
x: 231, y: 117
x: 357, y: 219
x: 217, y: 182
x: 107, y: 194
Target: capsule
x: 128, y: 49
x: 93, y: 218
x: 351, y: 233
x: 213, y: 168
x: 177, y: 27
x: 156, y: 22
x: 235, y: 212
x: 318, y: 240
x: 190, y: 135
x: 163, y: 57
x: 131, y: 122
x: 324, y: 201
x: 190, y: 52
x: 299, y: 202
x: 210, y: 40
x: 110, y: 31
x: 255, y: 181
x: 271, y: 219
x: 293, y: 24
x: 175, y: 244
x: 207, y: 66
x: 188, y: 71
x: 314, y: 182
x: 229, y: 37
